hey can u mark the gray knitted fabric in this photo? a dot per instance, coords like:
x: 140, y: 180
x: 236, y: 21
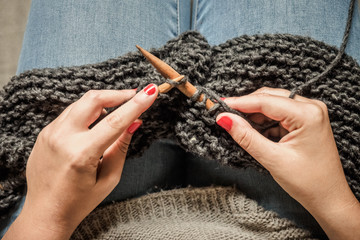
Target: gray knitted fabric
x: 240, y: 66
x: 191, y: 213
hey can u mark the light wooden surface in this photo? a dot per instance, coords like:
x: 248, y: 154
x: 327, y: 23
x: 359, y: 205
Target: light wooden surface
x: 13, y: 18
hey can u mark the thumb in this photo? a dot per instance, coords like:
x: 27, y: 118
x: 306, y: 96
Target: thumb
x: 262, y: 149
x: 114, y: 157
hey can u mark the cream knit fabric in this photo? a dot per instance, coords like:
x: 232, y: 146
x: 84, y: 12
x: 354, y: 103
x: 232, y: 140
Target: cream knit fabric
x: 190, y: 213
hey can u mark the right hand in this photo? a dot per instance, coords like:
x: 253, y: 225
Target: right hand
x: 305, y: 162
x: 72, y: 168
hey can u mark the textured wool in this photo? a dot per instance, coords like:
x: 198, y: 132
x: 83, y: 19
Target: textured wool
x: 240, y: 66
x: 207, y: 213
x: 33, y: 99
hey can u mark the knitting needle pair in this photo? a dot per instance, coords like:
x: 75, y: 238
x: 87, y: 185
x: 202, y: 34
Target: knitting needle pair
x: 188, y: 89
x: 169, y: 73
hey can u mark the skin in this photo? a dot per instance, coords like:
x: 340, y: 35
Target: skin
x: 66, y: 180
x: 305, y: 162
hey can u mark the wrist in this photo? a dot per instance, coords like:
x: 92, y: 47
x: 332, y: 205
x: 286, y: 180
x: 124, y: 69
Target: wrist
x: 338, y: 215
x: 42, y: 224
x: 25, y: 227
x: 341, y: 224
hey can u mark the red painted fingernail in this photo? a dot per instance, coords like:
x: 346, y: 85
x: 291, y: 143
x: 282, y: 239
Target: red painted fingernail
x: 133, y: 127
x: 225, y: 122
x: 135, y: 89
x: 223, y: 98
x: 150, y: 89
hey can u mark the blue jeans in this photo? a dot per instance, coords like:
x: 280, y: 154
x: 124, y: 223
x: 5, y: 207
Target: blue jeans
x: 69, y: 32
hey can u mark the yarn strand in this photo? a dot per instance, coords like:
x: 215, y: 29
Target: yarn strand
x: 337, y: 58
x: 33, y: 99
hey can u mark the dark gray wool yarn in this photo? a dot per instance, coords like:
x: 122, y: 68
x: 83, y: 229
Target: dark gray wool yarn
x: 33, y: 99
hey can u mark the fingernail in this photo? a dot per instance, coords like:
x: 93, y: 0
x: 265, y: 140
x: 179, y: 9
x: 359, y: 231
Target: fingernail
x: 150, y: 89
x: 133, y: 127
x: 135, y: 89
x: 225, y: 122
x: 223, y: 98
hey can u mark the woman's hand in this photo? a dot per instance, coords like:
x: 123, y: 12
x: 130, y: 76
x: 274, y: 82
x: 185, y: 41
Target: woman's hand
x: 305, y: 162
x: 66, y: 176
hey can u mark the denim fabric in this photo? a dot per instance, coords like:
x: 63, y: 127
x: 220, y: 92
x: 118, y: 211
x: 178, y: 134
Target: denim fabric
x: 325, y: 21
x: 75, y: 32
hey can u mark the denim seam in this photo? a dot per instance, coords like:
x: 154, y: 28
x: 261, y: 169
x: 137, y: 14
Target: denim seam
x: 178, y: 16
x: 195, y: 13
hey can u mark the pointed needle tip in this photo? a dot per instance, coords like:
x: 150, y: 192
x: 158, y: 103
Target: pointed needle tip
x: 143, y: 51
x: 164, y: 69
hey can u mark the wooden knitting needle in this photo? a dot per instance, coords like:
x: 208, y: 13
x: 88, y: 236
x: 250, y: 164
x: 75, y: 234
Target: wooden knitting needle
x: 168, y: 72
x: 165, y: 87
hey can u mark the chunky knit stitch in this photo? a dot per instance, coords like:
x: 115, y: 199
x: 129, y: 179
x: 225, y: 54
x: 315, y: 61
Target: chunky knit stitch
x: 33, y: 99
x: 240, y: 66
x: 208, y: 213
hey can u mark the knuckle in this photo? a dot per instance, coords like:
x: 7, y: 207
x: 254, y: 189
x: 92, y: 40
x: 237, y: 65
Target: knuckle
x: 273, y: 91
x: 93, y: 95
x: 75, y: 162
x: 263, y: 90
x: 122, y: 146
x: 138, y: 102
x: 50, y: 138
x: 53, y: 143
x: 316, y: 113
x: 322, y: 105
x: 244, y: 139
x: 261, y: 95
x: 44, y: 134
x: 115, y: 121
x: 82, y: 159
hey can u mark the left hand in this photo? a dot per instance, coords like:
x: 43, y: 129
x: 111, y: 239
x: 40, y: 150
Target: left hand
x: 305, y: 162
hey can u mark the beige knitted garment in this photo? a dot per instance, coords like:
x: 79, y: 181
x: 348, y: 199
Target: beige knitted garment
x: 188, y: 213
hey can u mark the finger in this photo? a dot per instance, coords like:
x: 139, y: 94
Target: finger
x: 262, y: 149
x: 289, y: 112
x: 114, y: 158
x: 286, y: 93
x: 90, y: 106
x: 112, y: 126
x: 101, y: 117
x: 280, y: 92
